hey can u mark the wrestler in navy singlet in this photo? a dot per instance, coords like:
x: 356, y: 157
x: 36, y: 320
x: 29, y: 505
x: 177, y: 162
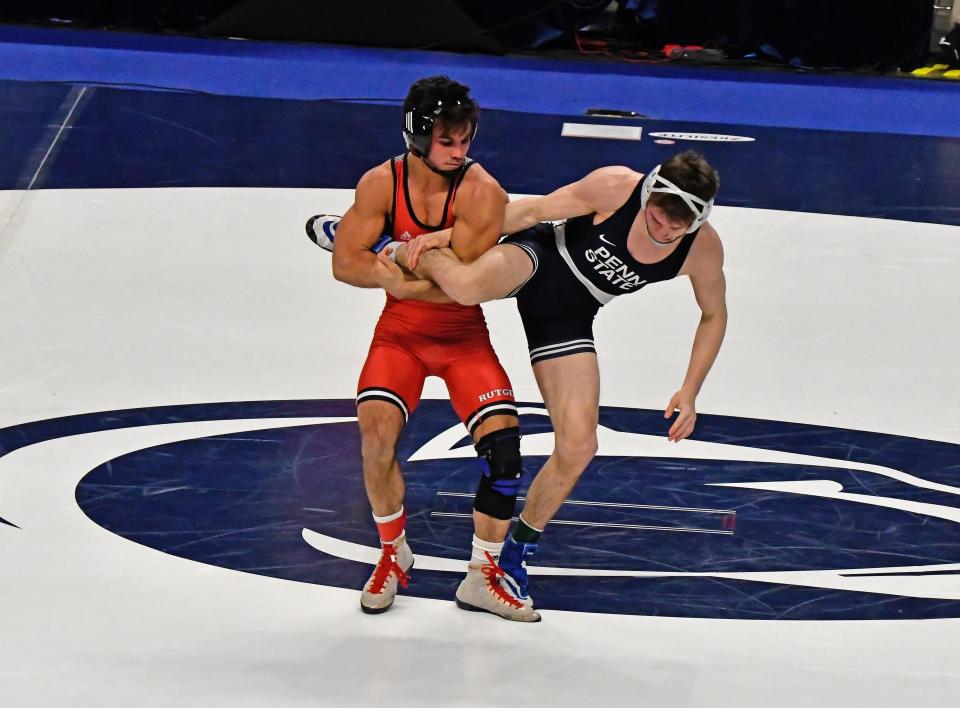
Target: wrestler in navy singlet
x: 578, y: 267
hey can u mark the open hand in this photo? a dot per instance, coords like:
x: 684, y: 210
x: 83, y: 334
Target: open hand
x: 683, y: 403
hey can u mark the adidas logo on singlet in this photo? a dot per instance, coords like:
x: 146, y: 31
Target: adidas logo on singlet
x: 613, y: 269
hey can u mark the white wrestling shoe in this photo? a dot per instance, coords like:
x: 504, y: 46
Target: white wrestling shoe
x: 487, y: 588
x: 381, y: 589
x: 321, y: 229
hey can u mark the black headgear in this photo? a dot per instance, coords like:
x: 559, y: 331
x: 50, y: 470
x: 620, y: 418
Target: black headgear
x: 418, y: 125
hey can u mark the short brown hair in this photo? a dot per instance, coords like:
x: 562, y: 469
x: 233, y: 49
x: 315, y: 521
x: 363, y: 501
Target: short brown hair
x: 691, y: 172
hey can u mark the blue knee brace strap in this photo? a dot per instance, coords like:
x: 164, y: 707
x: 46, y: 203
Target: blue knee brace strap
x: 500, y: 471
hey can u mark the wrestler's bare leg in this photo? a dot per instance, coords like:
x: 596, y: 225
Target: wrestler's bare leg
x: 570, y: 386
x: 494, y: 275
x: 380, y: 426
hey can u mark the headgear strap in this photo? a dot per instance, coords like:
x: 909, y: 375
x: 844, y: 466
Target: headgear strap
x: 691, y: 200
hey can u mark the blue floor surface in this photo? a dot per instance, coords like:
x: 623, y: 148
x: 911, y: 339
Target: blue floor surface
x: 137, y: 138
x: 526, y: 84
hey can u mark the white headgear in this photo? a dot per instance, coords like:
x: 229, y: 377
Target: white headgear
x: 650, y: 185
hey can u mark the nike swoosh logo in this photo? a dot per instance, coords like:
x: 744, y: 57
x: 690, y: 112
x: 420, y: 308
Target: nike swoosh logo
x: 605, y: 240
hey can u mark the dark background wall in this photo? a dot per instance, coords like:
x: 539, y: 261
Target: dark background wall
x: 881, y: 35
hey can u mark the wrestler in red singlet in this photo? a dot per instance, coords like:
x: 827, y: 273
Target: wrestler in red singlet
x: 415, y: 339
x: 422, y: 333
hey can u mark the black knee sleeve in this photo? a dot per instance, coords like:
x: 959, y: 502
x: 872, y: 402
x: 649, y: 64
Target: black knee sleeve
x: 501, y: 469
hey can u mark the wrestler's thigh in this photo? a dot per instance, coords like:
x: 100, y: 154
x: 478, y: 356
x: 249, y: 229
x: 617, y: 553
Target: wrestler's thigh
x: 480, y: 390
x: 500, y: 271
x: 393, y: 376
x: 570, y: 386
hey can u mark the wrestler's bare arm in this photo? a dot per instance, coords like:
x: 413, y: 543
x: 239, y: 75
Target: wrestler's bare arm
x: 705, y: 268
x: 478, y: 209
x: 353, y: 261
x: 360, y: 227
x: 710, y: 289
x: 601, y: 192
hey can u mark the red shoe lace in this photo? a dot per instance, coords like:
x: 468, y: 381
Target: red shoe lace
x: 493, y: 572
x: 386, y: 565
